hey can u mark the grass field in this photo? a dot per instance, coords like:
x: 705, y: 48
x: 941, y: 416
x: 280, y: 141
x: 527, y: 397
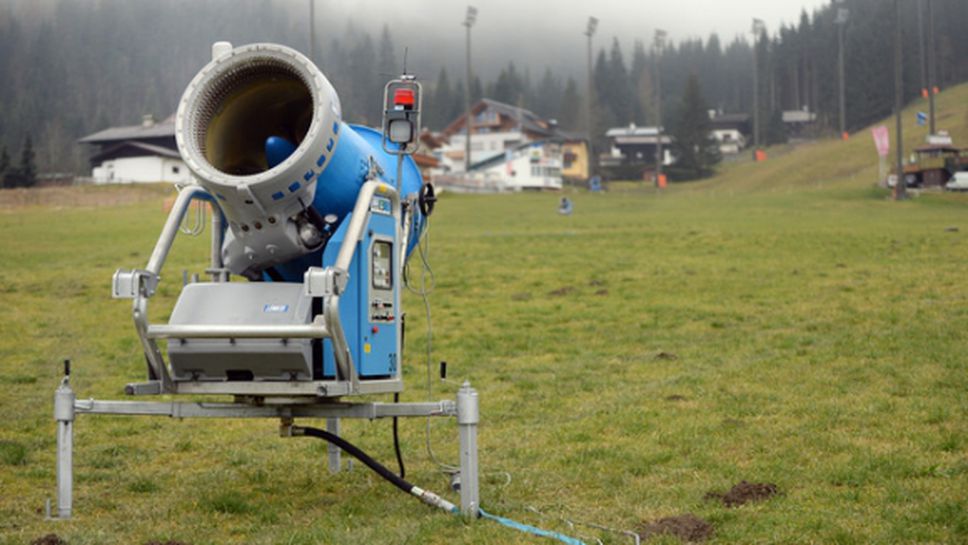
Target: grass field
x: 782, y: 323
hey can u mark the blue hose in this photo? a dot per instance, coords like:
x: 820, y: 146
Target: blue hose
x: 530, y: 529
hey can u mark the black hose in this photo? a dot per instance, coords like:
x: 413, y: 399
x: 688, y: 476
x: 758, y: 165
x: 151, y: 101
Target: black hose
x: 396, y: 441
x: 355, y: 452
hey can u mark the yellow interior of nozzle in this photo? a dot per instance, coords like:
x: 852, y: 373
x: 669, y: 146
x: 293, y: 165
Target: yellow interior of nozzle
x: 257, y: 104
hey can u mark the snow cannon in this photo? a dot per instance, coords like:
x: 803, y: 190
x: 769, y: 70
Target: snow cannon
x: 260, y: 127
x: 318, y: 215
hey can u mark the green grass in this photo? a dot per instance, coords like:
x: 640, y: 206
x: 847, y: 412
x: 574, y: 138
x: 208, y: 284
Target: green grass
x: 782, y: 323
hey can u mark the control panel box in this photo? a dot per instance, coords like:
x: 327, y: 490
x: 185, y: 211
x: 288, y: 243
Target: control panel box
x: 369, y: 306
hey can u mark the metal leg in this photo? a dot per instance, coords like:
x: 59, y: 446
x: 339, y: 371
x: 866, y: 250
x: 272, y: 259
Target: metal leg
x: 332, y: 426
x: 468, y: 415
x: 64, y: 415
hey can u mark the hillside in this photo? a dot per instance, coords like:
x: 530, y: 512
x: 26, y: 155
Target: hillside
x: 833, y: 161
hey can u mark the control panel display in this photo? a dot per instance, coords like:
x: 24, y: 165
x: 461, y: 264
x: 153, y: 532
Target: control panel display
x: 382, y: 268
x: 381, y: 281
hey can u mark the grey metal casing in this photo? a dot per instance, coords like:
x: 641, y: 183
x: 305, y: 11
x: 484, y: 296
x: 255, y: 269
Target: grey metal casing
x: 242, y: 303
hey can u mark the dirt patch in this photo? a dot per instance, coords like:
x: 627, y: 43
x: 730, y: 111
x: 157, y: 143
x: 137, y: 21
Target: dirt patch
x: 82, y: 196
x: 686, y: 527
x: 522, y: 296
x: 743, y: 493
x: 602, y: 292
x: 675, y: 397
x: 564, y: 290
x: 596, y: 282
x: 951, y: 229
x: 667, y: 356
x: 49, y: 539
x: 169, y: 542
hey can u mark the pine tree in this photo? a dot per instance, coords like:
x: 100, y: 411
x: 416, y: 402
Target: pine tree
x: 6, y: 174
x: 620, y: 96
x: 440, y: 108
x: 641, y: 82
x: 548, y: 95
x: 569, y: 114
x: 28, y: 169
x: 694, y: 148
x: 388, y: 57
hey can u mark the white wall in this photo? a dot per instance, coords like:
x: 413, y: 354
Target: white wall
x: 521, y: 173
x: 145, y: 169
x: 487, y: 145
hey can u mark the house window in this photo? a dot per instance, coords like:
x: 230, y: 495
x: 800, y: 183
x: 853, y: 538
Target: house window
x: 486, y: 117
x: 175, y: 169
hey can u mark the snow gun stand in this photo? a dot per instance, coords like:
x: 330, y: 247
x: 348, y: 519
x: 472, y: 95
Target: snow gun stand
x: 210, y: 346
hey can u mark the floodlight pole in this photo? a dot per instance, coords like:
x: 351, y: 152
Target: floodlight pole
x: 468, y: 23
x: 312, y: 31
x: 589, y: 96
x: 900, y: 184
x: 658, y: 44
x: 921, y: 61
x: 931, y: 67
x: 842, y: 15
x: 757, y: 30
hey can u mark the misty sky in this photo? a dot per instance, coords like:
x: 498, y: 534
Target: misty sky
x: 538, y: 33
x: 681, y: 18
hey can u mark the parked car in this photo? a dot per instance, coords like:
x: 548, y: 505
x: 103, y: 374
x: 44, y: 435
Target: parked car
x: 958, y: 182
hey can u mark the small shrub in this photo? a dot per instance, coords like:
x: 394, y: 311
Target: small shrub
x: 228, y: 502
x: 144, y: 486
x: 13, y: 453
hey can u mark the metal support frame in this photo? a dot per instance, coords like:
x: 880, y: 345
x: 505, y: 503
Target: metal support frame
x: 465, y: 409
x: 139, y: 285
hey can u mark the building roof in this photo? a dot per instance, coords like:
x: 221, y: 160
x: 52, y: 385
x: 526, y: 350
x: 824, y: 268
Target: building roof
x: 502, y: 157
x: 133, y: 148
x: 632, y: 130
x: 161, y: 129
x: 528, y: 120
x: 731, y: 118
x: 798, y: 116
x: 938, y: 147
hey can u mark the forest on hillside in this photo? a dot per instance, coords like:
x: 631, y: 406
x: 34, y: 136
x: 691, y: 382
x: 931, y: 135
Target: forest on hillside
x: 85, y: 66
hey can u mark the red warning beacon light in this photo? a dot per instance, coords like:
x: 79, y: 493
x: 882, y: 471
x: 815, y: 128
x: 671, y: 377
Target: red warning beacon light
x: 403, y: 98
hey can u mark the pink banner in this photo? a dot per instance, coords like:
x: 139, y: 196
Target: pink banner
x: 882, y: 140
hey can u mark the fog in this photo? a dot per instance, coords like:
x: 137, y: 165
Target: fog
x: 547, y: 33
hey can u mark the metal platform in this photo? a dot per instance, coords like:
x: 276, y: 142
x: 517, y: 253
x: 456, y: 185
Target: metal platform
x: 465, y: 408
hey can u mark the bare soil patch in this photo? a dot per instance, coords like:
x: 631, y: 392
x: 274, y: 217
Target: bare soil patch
x: 686, y: 527
x: 564, y: 290
x: 743, y: 493
x: 49, y: 539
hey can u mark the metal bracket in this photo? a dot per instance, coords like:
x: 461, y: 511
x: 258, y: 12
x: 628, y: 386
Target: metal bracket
x: 321, y: 282
x: 129, y: 284
x: 375, y: 171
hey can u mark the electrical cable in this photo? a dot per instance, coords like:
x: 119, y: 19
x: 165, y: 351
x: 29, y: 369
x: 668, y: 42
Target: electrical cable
x: 531, y: 529
x: 424, y: 290
x: 426, y: 496
x: 396, y: 441
x: 427, y: 283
